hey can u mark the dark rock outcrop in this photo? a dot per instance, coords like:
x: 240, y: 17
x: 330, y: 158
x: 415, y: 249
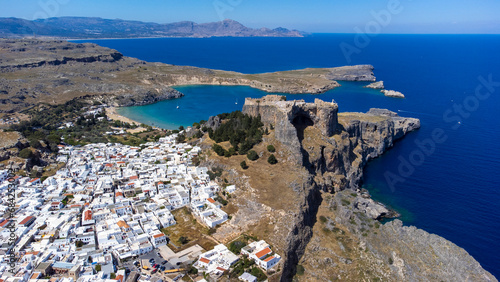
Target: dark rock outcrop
x: 213, y: 122
x: 301, y: 232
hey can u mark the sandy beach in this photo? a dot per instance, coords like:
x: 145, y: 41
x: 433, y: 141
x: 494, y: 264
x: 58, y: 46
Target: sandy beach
x: 112, y: 114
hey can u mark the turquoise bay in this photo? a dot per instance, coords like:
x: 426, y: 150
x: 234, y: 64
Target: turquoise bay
x: 201, y: 102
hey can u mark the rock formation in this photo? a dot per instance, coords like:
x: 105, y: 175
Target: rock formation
x: 290, y: 118
x: 334, y: 148
x: 392, y: 93
x: 376, y: 85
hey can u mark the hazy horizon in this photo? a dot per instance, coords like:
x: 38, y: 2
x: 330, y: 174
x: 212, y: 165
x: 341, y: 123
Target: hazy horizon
x: 389, y: 17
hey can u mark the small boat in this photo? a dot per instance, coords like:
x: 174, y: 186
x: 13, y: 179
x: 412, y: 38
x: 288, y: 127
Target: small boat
x: 236, y: 102
x: 178, y: 106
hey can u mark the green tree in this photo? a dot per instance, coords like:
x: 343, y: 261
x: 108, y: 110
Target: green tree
x: 271, y: 148
x: 236, y: 246
x: 300, y: 270
x: 25, y: 153
x: 252, y: 155
x: 183, y: 240
x: 243, y: 165
x: 79, y: 244
x: 53, y: 138
x: 180, y: 138
x: 218, y: 149
x: 98, y: 267
x: 272, y: 159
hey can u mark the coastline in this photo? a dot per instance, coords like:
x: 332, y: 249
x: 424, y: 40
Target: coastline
x: 160, y: 37
x: 112, y: 113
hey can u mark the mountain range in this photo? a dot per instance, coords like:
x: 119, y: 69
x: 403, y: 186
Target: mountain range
x: 91, y: 27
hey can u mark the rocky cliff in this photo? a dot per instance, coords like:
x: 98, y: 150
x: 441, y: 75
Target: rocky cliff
x: 335, y: 233
x: 348, y: 245
x: 290, y: 118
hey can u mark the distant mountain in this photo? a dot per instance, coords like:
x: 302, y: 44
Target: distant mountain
x: 83, y: 27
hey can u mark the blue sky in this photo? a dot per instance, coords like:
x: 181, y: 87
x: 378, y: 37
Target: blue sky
x: 406, y: 16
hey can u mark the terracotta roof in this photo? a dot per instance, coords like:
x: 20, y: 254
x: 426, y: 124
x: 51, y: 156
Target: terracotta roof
x: 33, y: 180
x: 26, y: 220
x: 204, y: 260
x: 87, y: 215
x: 211, y: 200
x: 263, y: 253
x: 158, y: 235
x: 119, y: 194
x: 133, y: 177
x: 123, y: 224
x: 119, y: 277
x: 269, y: 258
x: 35, y: 275
x: 4, y: 223
x: 108, y: 165
x: 221, y: 269
x: 55, y: 203
x: 32, y: 253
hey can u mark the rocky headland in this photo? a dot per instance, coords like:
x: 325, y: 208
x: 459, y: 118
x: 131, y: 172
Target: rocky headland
x: 326, y: 226
x: 54, y: 72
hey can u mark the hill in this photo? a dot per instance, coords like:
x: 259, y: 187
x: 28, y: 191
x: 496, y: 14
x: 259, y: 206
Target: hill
x: 89, y: 27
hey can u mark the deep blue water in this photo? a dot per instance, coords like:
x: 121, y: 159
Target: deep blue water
x: 453, y: 191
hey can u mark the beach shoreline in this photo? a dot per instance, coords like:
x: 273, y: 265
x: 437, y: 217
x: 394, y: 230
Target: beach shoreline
x: 112, y: 113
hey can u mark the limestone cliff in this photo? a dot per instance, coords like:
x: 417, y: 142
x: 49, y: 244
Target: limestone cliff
x: 290, y: 118
x: 348, y: 243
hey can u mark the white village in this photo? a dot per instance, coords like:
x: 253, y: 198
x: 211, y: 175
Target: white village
x: 101, y: 216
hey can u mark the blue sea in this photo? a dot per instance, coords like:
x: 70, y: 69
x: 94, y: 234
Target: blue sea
x: 449, y: 186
